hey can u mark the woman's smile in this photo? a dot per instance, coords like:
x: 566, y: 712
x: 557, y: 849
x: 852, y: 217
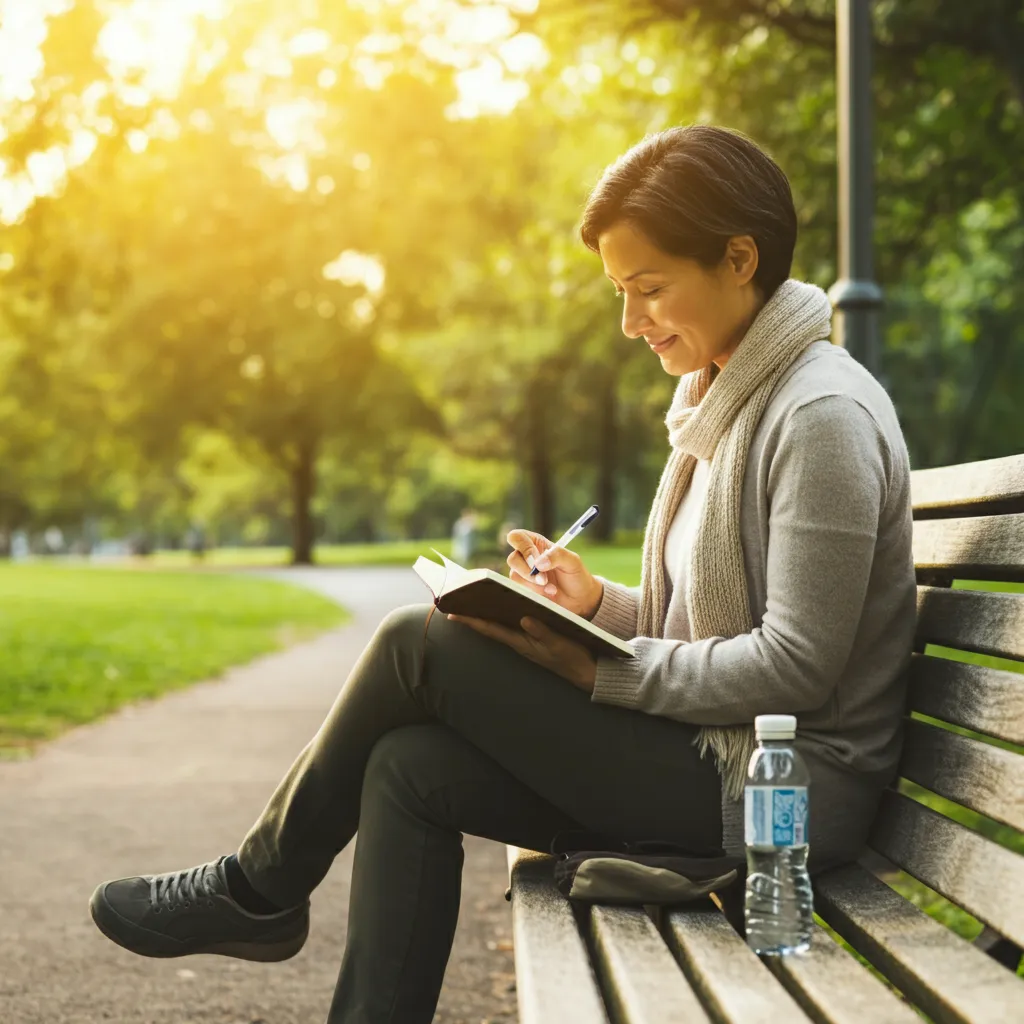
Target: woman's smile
x: 661, y: 346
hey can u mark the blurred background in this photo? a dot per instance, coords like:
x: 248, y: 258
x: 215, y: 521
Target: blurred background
x: 288, y: 274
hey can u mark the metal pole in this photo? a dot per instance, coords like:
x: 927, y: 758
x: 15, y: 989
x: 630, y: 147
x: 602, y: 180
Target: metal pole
x: 855, y: 297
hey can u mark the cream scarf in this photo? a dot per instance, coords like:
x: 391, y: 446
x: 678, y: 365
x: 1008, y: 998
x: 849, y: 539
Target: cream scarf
x: 713, y: 416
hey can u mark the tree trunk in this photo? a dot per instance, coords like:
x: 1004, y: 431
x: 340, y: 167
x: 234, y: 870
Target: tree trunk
x: 303, y: 474
x: 542, y: 492
x: 607, y: 454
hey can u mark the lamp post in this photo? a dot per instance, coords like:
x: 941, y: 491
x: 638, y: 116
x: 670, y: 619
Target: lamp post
x: 855, y: 297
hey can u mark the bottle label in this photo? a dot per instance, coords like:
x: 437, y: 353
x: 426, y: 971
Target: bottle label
x: 775, y: 815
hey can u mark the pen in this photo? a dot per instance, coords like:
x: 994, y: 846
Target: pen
x: 581, y: 524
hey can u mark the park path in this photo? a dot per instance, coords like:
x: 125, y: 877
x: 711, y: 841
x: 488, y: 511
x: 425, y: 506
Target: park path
x: 169, y: 783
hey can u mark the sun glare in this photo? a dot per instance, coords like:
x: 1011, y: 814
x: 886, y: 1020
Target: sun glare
x: 152, y: 38
x: 146, y: 46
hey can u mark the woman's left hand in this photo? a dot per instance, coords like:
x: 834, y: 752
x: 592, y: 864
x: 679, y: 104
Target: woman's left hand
x: 544, y: 646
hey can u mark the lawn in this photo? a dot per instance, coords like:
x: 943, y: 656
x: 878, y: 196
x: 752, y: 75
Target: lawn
x: 79, y: 642
x: 403, y: 552
x: 611, y: 561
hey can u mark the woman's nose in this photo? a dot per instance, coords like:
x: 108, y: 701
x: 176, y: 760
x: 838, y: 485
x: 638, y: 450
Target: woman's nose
x: 634, y: 322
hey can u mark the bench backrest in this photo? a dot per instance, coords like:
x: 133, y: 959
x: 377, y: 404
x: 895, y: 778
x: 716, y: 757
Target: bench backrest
x: 968, y: 526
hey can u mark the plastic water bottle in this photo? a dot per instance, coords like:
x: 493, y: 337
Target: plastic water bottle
x: 779, y: 904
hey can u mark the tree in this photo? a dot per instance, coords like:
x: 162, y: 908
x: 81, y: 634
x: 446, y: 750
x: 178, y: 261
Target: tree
x: 949, y: 98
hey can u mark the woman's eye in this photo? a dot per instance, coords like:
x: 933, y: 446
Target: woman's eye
x: 646, y: 295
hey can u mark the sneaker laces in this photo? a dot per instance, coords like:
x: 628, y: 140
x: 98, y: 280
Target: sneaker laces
x: 182, y: 888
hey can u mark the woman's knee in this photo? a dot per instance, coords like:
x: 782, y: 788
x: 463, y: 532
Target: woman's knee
x: 405, y: 762
x: 403, y: 625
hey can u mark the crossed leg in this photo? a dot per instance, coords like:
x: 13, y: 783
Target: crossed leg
x: 444, y: 732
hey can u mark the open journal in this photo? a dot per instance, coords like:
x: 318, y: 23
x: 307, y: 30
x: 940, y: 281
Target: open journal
x: 484, y: 594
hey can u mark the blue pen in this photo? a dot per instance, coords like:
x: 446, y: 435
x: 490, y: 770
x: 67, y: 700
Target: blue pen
x: 581, y: 524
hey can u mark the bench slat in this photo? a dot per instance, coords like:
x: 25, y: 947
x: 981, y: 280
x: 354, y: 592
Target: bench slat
x: 986, y: 700
x: 642, y: 981
x: 727, y: 975
x: 951, y: 980
x: 986, y: 779
x: 985, y: 548
x: 833, y: 986
x: 971, y: 620
x: 974, y: 488
x: 986, y: 879
x: 554, y: 979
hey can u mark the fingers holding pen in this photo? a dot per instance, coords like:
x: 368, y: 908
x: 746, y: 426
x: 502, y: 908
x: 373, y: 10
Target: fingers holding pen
x: 527, y: 548
x: 548, y: 589
x: 576, y: 589
x: 520, y: 573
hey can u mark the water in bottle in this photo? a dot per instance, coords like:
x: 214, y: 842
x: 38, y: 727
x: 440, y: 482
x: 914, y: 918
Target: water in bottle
x: 779, y: 905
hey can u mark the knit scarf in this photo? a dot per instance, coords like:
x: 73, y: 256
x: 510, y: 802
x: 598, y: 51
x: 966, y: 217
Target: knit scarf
x: 713, y: 416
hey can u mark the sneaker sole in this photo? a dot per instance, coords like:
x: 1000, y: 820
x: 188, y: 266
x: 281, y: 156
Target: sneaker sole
x: 146, y: 943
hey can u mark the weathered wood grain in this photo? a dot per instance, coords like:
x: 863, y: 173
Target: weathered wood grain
x: 729, y: 978
x: 834, y: 988
x: 985, y: 548
x: 986, y: 700
x: 974, y: 488
x: 642, y: 982
x: 987, y: 779
x: 951, y: 980
x: 971, y: 620
x: 986, y: 879
x: 554, y: 979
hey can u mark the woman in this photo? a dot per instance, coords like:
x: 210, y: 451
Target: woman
x: 777, y: 577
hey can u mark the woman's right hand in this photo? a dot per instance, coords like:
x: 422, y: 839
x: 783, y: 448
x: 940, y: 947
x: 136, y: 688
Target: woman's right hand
x: 567, y: 582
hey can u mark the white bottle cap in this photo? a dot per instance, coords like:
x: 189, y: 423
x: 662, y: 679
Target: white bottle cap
x: 775, y: 727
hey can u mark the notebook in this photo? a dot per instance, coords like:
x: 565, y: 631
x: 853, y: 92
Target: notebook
x: 484, y: 594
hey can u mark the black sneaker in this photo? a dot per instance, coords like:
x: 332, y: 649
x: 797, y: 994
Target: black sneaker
x: 191, y: 911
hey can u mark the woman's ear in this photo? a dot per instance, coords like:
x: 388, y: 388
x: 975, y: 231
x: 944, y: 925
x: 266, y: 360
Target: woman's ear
x: 741, y: 258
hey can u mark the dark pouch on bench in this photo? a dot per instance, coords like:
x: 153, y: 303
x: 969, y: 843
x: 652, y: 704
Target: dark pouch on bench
x: 594, y: 868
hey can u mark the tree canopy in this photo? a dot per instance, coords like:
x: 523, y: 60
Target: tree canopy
x: 311, y: 269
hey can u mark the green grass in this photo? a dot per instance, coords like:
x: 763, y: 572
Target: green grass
x: 613, y: 561
x: 403, y: 552
x: 78, y: 643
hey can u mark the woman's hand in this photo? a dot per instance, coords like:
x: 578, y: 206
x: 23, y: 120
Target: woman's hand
x: 544, y: 646
x: 563, y: 578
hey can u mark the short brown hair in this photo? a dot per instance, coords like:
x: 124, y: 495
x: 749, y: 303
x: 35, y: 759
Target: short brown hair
x: 690, y: 189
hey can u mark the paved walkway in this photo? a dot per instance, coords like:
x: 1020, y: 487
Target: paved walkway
x: 170, y: 783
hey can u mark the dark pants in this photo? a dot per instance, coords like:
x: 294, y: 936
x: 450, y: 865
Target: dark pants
x: 484, y: 742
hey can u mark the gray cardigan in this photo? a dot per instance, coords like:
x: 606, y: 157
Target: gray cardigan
x: 825, y: 526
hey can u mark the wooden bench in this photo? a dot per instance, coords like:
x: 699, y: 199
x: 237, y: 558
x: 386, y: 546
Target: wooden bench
x: 579, y: 965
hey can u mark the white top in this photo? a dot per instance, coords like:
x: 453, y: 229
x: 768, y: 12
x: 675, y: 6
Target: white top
x: 683, y: 531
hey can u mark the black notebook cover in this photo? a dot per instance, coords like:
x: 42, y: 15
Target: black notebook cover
x: 484, y: 594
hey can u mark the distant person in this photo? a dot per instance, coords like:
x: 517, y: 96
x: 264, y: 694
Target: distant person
x: 464, y: 536
x: 195, y: 541
x: 777, y: 578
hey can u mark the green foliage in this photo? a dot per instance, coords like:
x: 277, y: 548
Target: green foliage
x: 199, y: 274
x: 79, y: 643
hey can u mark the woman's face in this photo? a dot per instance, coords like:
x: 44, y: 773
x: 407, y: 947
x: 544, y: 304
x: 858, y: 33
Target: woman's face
x: 689, y: 315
